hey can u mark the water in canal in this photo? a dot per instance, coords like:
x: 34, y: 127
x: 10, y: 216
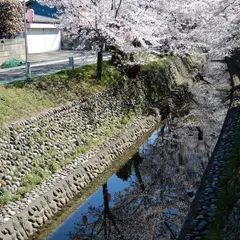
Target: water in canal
x: 148, y: 197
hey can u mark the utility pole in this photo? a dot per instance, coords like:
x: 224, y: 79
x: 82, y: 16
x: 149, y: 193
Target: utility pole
x: 25, y: 34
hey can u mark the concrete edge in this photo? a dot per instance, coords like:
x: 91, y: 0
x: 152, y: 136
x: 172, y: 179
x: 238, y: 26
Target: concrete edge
x: 36, y: 214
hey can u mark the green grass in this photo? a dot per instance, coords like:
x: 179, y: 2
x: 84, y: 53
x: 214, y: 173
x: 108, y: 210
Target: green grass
x: 30, y: 181
x: 20, y: 100
x: 230, y: 193
x: 4, y: 197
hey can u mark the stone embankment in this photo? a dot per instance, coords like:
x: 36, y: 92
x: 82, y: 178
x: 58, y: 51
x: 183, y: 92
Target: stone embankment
x: 34, y: 147
x: 203, y: 209
x: 58, y: 135
x: 204, y: 205
x: 65, y: 185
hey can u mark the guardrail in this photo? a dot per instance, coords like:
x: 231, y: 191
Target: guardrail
x: 32, y: 70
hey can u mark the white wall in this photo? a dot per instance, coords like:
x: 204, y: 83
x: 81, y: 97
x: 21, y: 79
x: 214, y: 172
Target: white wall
x: 43, y: 39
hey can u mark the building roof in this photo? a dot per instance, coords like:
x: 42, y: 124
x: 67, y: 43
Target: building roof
x: 43, y: 10
x: 42, y: 19
x: 43, y: 14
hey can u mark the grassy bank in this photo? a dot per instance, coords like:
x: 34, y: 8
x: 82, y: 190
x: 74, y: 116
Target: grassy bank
x: 230, y: 192
x: 20, y: 100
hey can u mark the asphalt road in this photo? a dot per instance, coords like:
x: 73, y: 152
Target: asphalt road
x: 45, y: 68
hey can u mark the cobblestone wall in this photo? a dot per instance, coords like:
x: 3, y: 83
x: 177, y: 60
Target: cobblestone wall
x: 60, y: 134
x: 28, y: 220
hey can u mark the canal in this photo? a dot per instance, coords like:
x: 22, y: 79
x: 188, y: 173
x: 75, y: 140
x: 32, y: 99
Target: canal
x: 146, y: 198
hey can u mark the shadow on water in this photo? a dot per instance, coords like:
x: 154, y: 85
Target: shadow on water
x: 147, y: 198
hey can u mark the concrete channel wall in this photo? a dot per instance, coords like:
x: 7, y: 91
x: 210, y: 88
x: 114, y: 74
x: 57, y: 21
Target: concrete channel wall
x: 12, y: 48
x: 42, y: 209
x: 28, y: 144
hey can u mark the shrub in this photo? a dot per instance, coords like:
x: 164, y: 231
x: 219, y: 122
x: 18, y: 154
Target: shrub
x: 22, y: 192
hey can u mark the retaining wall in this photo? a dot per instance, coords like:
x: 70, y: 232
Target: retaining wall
x: 203, y: 208
x: 57, y: 134
x: 24, y: 224
x: 12, y: 48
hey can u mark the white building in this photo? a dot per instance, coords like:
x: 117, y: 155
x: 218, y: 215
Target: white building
x: 43, y: 35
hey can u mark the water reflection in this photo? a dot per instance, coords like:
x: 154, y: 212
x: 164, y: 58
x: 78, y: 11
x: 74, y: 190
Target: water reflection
x: 104, y: 221
x: 149, y: 197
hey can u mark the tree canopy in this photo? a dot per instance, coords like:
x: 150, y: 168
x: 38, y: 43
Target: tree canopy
x: 11, y: 18
x: 176, y: 26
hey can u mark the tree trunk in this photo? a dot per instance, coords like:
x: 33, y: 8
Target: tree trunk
x: 99, y: 65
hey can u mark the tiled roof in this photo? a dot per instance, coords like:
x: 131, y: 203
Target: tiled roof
x: 43, y: 10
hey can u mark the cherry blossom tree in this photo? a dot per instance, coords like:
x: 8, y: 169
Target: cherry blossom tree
x: 177, y: 26
x: 209, y: 26
x: 96, y: 20
x: 185, y: 27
